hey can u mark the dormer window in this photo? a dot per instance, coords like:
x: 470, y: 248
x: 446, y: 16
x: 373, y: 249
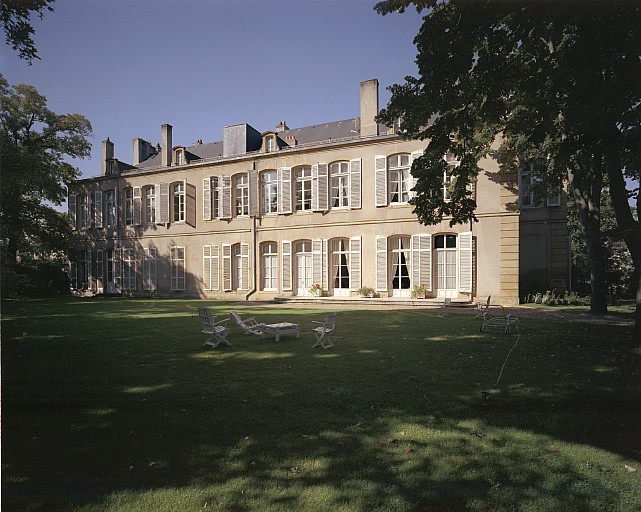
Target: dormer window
x: 110, y: 168
x: 269, y: 144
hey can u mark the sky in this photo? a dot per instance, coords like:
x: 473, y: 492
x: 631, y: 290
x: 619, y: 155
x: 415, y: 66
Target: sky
x: 130, y: 66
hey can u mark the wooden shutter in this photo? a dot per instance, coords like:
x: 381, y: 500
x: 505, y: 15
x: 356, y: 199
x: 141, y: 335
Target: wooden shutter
x: 355, y: 183
x: 137, y: 206
x: 71, y: 205
x: 380, y: 180
x: 355, y: 263
x: 162, y: 203
x: 100, y: 269
x: 226, y: 267
x: 89, y: 270
x: 422, y: 260
x: 117, y: 268
x: 253, y: 193
x: 317, y: 261
x: 244, y: 265
x: 149, y: 268
x: 207, y: 199
x: 215, y: 277
x: 73, y: 275
x: 225, y: 200
x: 207, y: 267
x: 465, y: 262
x: 97, y: 211
x: 284, y: 192
x: 190, y: 204
x: 381, y: 263
x: 322, y: 183
x: 287, y: 265
x: 325, y: 265
x: 414, y: 156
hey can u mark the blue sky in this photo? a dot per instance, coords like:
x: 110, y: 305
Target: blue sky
x: 131, y: 66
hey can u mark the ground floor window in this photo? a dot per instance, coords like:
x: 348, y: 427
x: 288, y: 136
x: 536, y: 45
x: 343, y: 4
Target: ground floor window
x: 399, y: 254
x: 340, y: 266
x: 303, y: 266
x: 445, y: 248
x: 149, y: 269
x: 177, y: 268
x: 129, y: 269
x: 269, y: 260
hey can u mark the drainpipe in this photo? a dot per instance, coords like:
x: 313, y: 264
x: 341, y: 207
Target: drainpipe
x: 253, y: 263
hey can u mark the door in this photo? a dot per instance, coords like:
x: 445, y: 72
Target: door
x: 445, y: 246
x: 303, y: 267
x: 340, y: 267
x: 399, y: 260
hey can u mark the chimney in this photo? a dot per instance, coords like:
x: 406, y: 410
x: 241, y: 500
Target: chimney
x: 142, y: 150
x: 166, y: 145
x: 290, y: 140
x: 107, y: 153
x: 282, y: 126
x: 369, y: 108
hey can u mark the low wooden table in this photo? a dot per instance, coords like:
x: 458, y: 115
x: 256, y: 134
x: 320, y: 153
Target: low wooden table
x: 281, y: 328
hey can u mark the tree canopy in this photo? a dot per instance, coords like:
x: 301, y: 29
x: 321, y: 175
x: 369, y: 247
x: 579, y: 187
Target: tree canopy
x: 15, y: 16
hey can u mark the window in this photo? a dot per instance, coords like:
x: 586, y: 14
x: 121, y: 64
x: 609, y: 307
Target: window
x: 445, y: 246
x: 83, y: 211
x: 177, y: 268
x: 528, y: 198
x: 241, y: 188
x: 149, y: 269
x: 399, y: 178
x: 179, y: 201
x: 180, y: 158
x: 129, y: 269
x: 269, y: 187
x: 129, y: 206
x: 110, y: 168
x: 150, y: 205
x: 303, y: 185
x: 85, y: 265
x: 340, y: 266
x: 109, y: 256
x: 215, y: 197
x: 269, y: 144
x: 269, y: 259
x: 448, y: 178
x: 339, y: 175
x: 110, y: 207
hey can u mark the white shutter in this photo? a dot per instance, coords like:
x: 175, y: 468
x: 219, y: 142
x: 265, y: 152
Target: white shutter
x: 465, y: 262
x: 253, y: 193
x: 380, y: 180
x: 225, y: 199
x: 226, y: 267
x: 287, y: 265
x: 381, y: 263
x: 422, y: 260
x: 97, y: 209
x: 244, y: 265
x: 71, y: 205
x: 215, y: 277
x: 414, y: 156
x: 207, y: 267
x: 162, y: 203
x: 317, y: 261
x: 207, y: 199
x: 89, y: 272
x: 355, y: 183
x: 355, y: 263
x: 284, y: 192
x: 322, y: 183
x: 137, y: 206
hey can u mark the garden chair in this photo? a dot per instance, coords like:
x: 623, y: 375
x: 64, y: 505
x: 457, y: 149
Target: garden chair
x: 444, y: 309
x: 503, y: 322
x: 324, y: 330
x: 217, y: 331
x: 482, y: 307
x: 249, y: 325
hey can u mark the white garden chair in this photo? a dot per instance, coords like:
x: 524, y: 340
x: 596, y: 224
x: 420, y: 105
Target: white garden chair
x: 217, y: 331
x: 482, y: 307
x: 503, y: 322
x: 249, y: 325
x: 324, y: 330
x: 444, y: 309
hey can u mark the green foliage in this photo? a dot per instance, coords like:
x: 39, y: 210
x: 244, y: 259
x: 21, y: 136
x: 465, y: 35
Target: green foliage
x: 114, y: 404
x: 15, y: 21
x: 367, y: 291
x: 551, y: 298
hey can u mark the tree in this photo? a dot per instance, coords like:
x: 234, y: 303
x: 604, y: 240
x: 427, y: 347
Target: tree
x: 559, y: 83
x: 34, y: 142
x: 14, y: 17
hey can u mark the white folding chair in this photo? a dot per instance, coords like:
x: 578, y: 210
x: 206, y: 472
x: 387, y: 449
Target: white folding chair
x: 482, y: 307
x: 444, y: 309
x: 249, y: 325
x: 324, y: 330
x: 217, y: 331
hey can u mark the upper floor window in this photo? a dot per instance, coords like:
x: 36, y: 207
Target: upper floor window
x: 129, y: 206
x: 339, y: 188
x: 269, y: 187
x: 150, y: 205
x: 110, y: 208
x: 84, y: 218
x: 178, y: 201
x: 269, y: 144
x: 180, y: 157
x: 241, y: 194
x: 399, y: 178
x: 303, y: 187
x: 111, y: 167
x: 448, y: 177
x: 215, y: 196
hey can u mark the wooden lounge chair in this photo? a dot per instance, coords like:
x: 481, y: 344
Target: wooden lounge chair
x: 482, y: 307
x: 324, y: 330
x: 217, y: 331
x: 444, y: 309
x: 249, y: 325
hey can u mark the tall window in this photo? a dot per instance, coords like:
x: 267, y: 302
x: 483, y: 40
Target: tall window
x: 303, y: 185
x: 526, y: 179
x: 399, y: 178
x: 270, y: 266
x: 241, y: 194
x: 179, y: 201
x: 149, y: 269
x: 399, y: 250
x: 269, y: 186
x: 150, y: 205
x: 215, y: 197
x: 177, y: 268
x: 85, y: 263
x: 339, y: 174
x: 445, y: 247
x: 179, y: 158
x: 110, y: 207
x: 340, y: 266
x: 129, y: 269
x: 109, y: 257
x: 129, y: 206
x: 269, y: 144
x: 83, y: 211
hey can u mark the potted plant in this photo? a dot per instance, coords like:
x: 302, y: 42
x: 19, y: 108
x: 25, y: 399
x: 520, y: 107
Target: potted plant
x: 316, y: 290
x: 366, y: 291
x: 419, y: 291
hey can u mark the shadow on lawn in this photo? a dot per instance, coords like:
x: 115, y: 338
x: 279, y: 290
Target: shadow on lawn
x: 136, y: 403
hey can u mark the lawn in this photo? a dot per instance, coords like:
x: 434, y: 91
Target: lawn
x: 114, y: 404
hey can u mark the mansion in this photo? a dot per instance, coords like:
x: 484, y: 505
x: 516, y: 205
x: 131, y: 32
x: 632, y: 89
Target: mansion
x: 268, y: 214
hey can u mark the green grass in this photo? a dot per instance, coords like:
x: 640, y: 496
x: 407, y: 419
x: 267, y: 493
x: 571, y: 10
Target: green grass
x: 624, y: 310
x: 114, y: 404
